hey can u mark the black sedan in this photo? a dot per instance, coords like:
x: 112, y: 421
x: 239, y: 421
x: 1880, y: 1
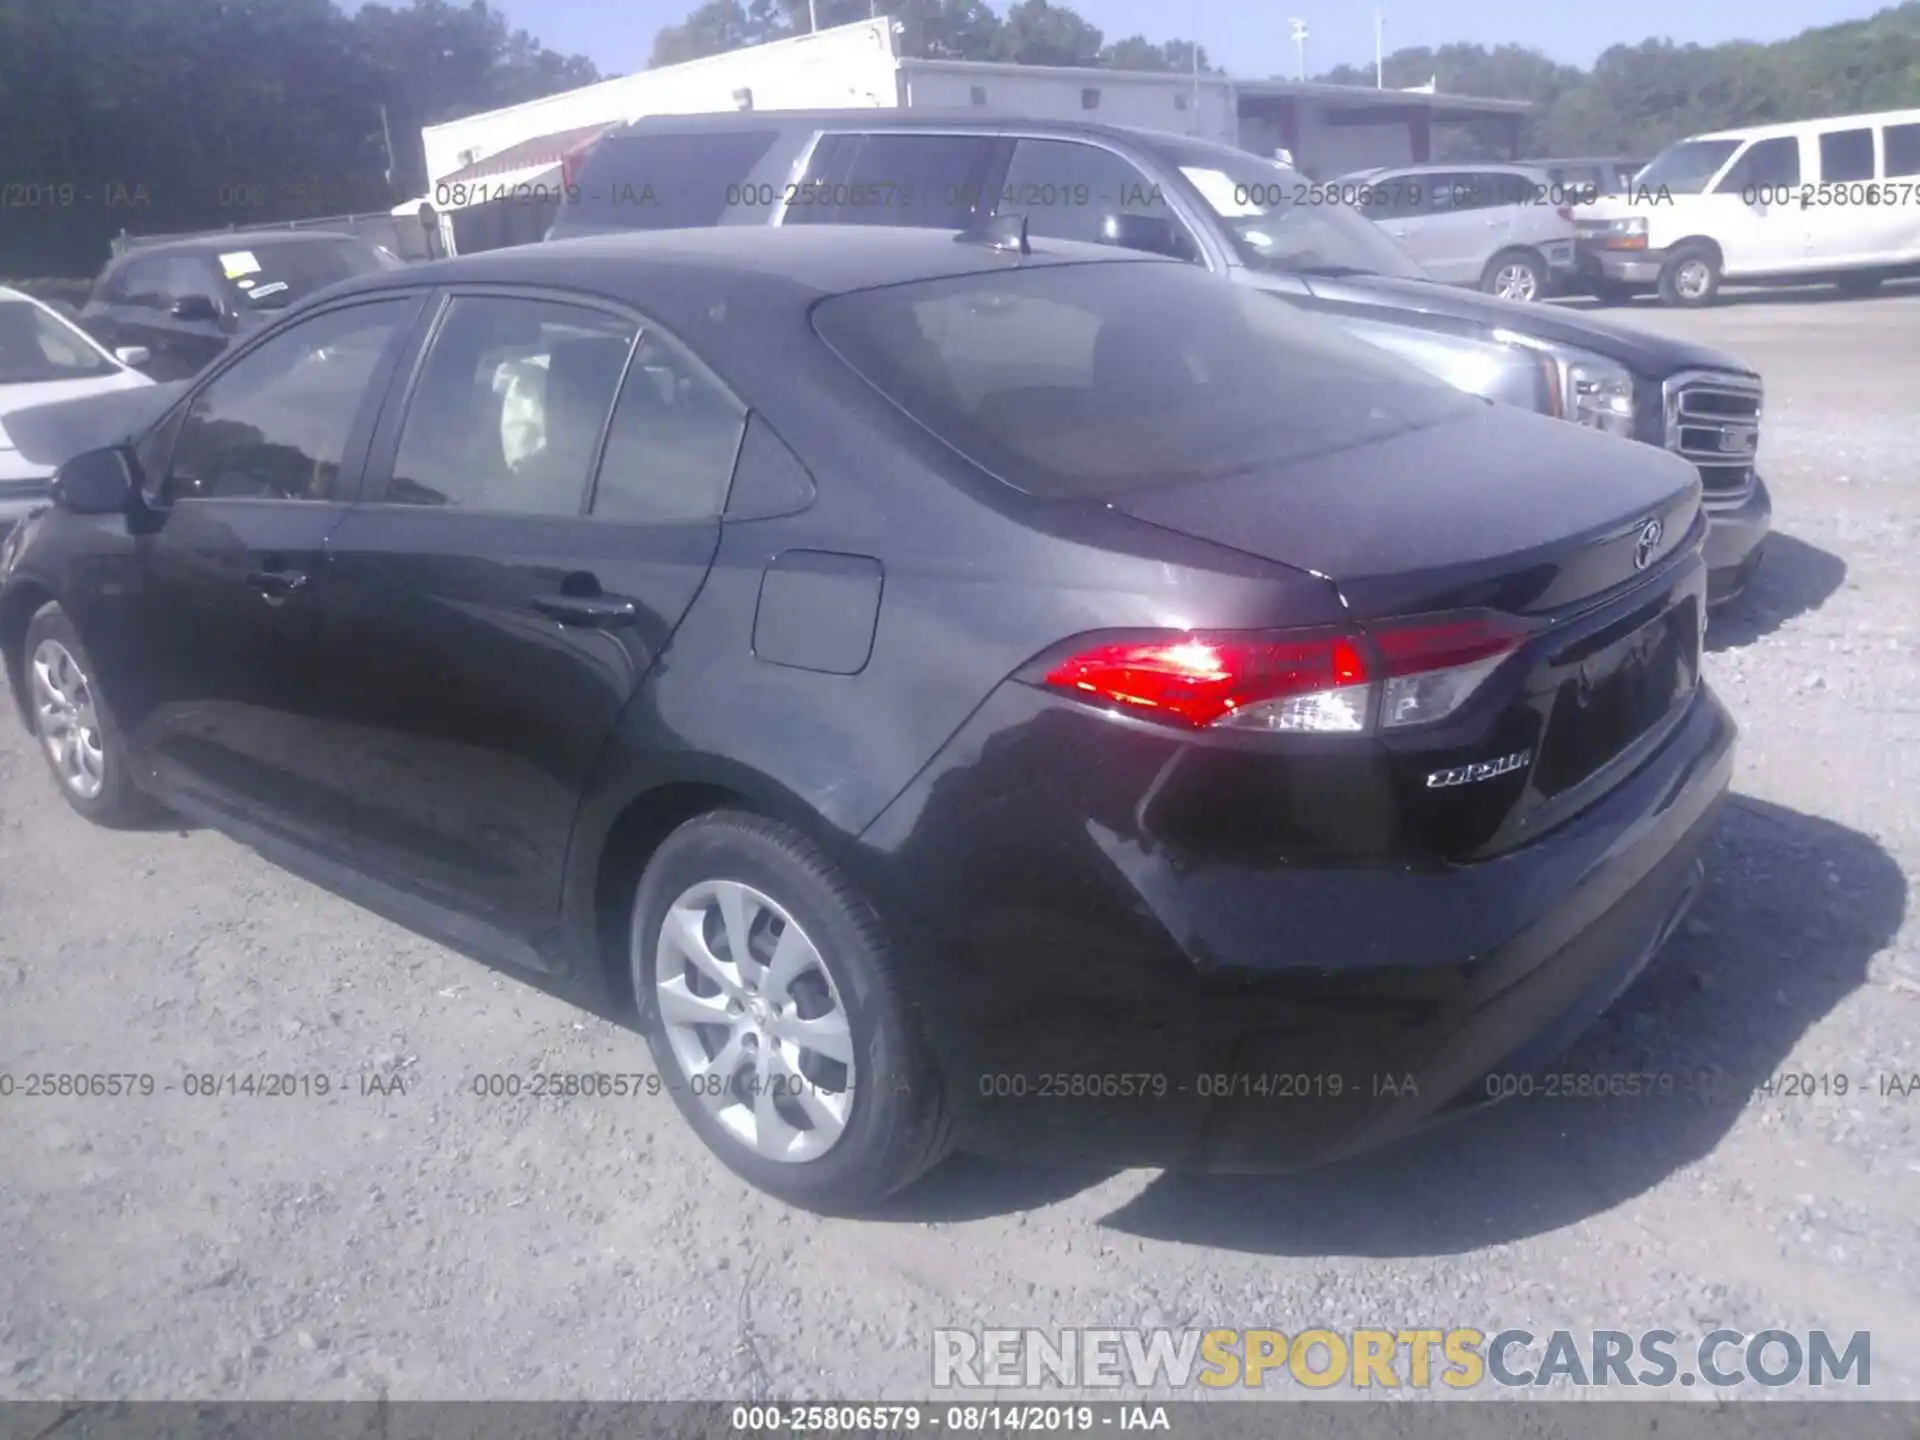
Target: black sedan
x: 1040, y: 700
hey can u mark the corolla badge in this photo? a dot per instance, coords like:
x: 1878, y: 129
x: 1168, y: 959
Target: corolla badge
x: 1480, y: 770
x: 1648, y: 543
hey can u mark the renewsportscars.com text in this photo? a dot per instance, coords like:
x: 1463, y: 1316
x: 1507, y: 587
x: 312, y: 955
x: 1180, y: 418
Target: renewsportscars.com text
x: 1461, y: 1358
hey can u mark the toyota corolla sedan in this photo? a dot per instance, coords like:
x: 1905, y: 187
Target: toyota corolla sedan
x: 972, y: 692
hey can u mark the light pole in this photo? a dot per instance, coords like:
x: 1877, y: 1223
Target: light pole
x: 1299, y: 47
x: 1379, y: 49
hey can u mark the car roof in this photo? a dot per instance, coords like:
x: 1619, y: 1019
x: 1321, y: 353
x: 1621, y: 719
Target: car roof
x: 237, y: 240
x: 971, y: 117
x: 807, y: 262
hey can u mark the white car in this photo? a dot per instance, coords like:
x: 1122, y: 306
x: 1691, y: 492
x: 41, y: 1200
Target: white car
x: 45, y: 357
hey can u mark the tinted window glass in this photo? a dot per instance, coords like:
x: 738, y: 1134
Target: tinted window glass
x: 675, y: 435
x: 1685, y: 169
x: 1846, y: 155
x: 1443, y: 193
x: 36, y: 346
x: 1902, y: 144
x: 182, y: 275
x: 921, y: 180
x: 141, y: 283
x: 510, y: 406
x: 1766, y: 162
x: 274, y: 425
x: 273, y: 276
x: 1067, y: 190
x: 1094, y: 380
x: 664, y: 182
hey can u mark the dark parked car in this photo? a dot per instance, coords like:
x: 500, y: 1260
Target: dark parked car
x: 956, y: 690
x: 1255, y: 222
x: 186, y: 301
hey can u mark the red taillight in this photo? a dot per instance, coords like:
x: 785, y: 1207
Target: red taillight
x: 1210, y: 679
x: 1418, y: 671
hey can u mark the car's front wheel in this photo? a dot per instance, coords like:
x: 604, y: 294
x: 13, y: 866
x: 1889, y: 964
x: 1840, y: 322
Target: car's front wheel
x: 1691, y: 276
x: 776, y: 1016
x: 75, y: 726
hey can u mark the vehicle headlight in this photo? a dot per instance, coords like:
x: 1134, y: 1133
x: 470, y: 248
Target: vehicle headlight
x: 1623, y: 226
x: 1597, y: 392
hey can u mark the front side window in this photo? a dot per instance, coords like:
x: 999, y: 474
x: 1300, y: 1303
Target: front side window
x: 1766, y: 164
x: 1277, y: 222
x: 1088, y: 381
x: 510, y: 406
x: 1072, y: 191
x: 1902, y: 144
x: 275, y: 424
x: 928, y: 181
x: 1686, y: 168
x: 37, y: 346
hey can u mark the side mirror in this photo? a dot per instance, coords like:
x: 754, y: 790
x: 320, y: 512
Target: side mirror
x: 133, y: 356
x: 98, y: 482
x: 195, y: 307
x: 1154, y: 234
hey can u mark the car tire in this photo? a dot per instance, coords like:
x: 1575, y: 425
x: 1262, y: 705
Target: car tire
x: 1516, y: 275
x: 75, y: 726
x: 1690, y: 277
x: 1859, y: 284
x: 830, y: 1133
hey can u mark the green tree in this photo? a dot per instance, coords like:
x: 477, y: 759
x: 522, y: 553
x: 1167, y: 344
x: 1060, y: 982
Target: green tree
x: 1038, y: 33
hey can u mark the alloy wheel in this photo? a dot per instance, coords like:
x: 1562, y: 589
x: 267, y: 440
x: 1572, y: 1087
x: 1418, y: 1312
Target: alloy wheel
x: 1692, y: 279
x: 68, y: 720
x: 755, y: 1020
x: 1515, y: 281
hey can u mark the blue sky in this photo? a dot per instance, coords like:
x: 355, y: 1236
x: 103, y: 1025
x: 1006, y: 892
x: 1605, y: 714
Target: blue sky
x: 1251, y: 39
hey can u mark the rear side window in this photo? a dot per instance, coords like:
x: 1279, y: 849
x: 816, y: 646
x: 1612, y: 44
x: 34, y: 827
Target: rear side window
x: 1087, y: 381
x: 1903, y: 150
x: 675, y: 436
x: 1846, y: 155
x: 931, y: 181
x: 510, y: 406
x: 665, y: 182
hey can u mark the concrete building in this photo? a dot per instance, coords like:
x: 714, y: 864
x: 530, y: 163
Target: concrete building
x: 1328, y: 129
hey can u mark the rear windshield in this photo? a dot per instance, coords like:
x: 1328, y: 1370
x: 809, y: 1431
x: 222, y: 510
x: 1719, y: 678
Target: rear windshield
x: 272, y: 277
x: 664, y: 182
x: 1094, y: 380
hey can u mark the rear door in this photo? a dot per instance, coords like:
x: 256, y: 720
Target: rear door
x: 539, y: 517
x: 1843, y: 224
x: 1442, y: 230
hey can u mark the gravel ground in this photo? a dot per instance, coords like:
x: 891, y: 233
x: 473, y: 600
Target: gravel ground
x: 429, y: 1243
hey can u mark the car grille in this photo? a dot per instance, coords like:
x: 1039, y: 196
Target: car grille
x: 1713, y: 419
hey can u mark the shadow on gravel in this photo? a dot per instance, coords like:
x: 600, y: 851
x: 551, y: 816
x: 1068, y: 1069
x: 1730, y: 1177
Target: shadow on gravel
x: 1794, y: 909
x: 1752, y: 295
x: 1794, y: 579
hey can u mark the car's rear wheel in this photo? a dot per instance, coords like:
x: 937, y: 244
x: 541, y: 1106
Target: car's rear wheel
x: 1515, y: 275
x: 75, y: 726
x: 775, y: 1014
x: 1691, y: 276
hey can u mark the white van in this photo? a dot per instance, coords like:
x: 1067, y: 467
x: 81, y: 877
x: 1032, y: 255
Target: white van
x: 1835, y: 199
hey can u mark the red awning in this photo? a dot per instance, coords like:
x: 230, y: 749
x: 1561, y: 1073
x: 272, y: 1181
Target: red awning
x: 541, y: 150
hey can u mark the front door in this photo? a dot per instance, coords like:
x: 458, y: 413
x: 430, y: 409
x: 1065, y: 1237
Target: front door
x: 538, y: 520
x: 1754, y: 212
x: 215, y: 630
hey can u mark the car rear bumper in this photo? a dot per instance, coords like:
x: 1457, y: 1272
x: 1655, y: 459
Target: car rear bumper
x: 1736, y: 538
x: 1618, y: 267
x: 1091, y: 997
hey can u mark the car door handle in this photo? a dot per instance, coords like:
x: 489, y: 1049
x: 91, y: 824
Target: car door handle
x: 603, y: 611
x: 277, y: 585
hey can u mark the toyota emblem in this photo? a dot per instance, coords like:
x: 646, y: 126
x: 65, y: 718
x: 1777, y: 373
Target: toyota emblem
x: 1647, y: 545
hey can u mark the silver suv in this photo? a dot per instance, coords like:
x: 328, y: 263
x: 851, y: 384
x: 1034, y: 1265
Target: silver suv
x: 1504, y: 229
